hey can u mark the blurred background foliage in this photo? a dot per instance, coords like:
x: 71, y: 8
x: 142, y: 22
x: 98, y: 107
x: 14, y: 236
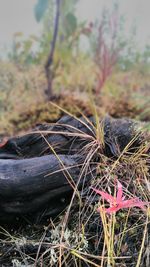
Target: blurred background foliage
x: 110, y: 65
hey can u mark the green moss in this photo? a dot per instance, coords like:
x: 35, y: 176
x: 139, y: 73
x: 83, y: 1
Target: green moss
x: 48, y: 113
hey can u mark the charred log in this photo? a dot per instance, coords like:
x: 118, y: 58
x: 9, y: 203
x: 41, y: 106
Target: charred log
x: 33, y: 179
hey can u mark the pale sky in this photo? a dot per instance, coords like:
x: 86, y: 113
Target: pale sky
x: 18, y: 15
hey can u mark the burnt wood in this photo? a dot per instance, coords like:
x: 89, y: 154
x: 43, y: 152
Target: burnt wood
x: 33, y: 179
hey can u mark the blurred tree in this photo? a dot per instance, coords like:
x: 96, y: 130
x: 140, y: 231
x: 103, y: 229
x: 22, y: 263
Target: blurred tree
x: 64, y: 25
x: 146, y: 54
x: 49, y: 61
x: 108, y: 43
x: 22, y: 52
x: 40, y: 9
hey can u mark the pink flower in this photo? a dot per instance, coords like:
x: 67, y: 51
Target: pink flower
x: 118, y: 202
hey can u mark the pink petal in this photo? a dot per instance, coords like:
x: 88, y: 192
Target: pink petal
x: 112, y: 209
x: 134, y: 202
x: 106, y: 196
x: 120, y: 192
x: 130, y: 202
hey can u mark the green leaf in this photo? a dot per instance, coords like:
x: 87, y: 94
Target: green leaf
x: 70, y: 23
x: 40, y: 9
x: 68, y: 6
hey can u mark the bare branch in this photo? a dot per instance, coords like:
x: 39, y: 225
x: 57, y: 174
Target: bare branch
x: 49, y: 62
